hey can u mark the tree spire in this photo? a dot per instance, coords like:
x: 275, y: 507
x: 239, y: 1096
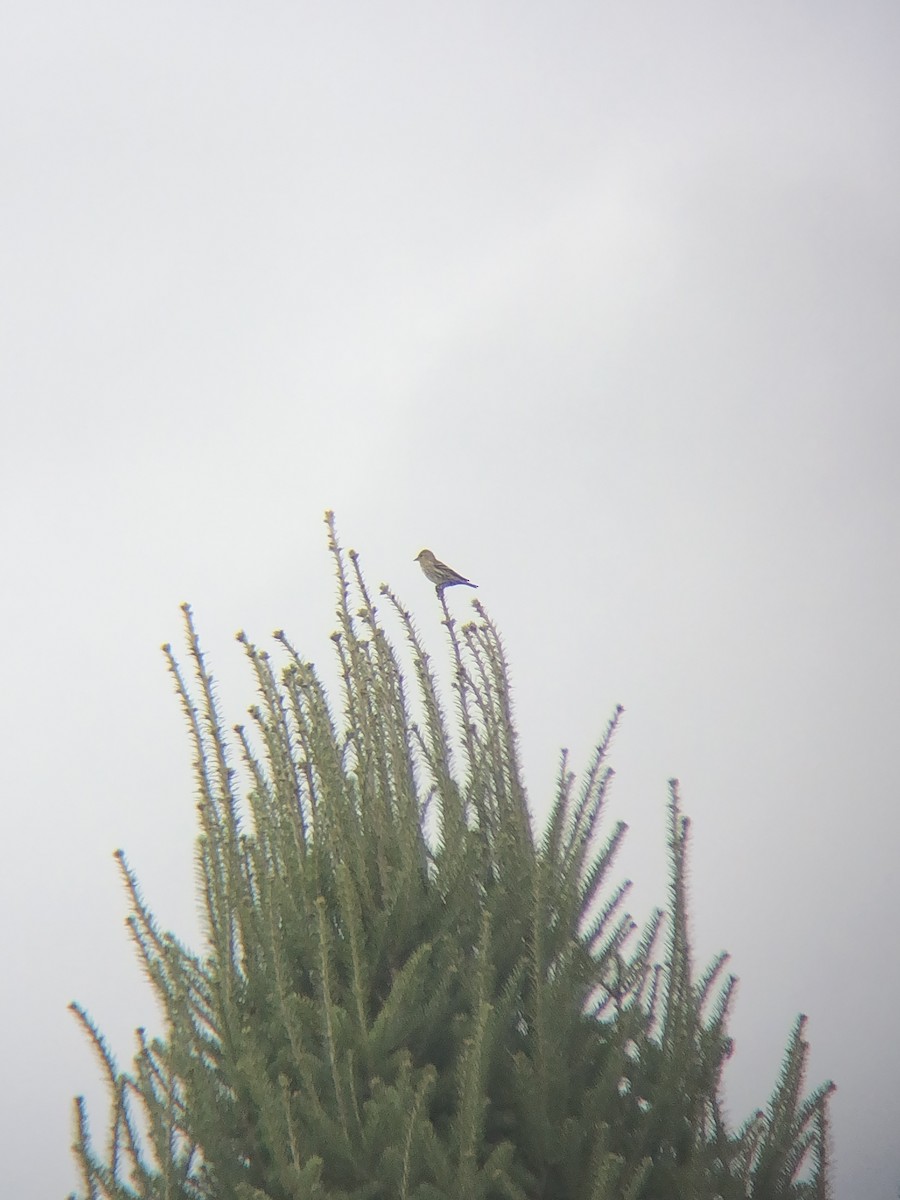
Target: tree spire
x: 406, y: 990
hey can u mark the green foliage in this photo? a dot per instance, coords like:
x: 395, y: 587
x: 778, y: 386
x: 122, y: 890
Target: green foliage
x: 405, y: 992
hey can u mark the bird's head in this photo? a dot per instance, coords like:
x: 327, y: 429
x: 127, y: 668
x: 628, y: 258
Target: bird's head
x: 424, y: 556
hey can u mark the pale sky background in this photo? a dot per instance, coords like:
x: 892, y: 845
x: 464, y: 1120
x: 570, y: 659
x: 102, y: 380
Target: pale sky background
x: 600, y: 302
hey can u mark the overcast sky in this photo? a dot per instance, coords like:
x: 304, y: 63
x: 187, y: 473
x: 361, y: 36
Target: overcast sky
x: 598, y: 301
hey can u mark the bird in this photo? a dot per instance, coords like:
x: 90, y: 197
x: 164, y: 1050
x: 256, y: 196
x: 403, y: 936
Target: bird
x: 439, y: 573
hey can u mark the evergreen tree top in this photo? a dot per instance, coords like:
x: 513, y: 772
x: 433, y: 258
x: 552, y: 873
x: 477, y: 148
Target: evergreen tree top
x: 406, y: 990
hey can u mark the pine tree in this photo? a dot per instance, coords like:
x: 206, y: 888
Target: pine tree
x: 406, y: 993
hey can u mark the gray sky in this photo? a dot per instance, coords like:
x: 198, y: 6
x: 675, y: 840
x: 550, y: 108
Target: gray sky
x: 598, y: 301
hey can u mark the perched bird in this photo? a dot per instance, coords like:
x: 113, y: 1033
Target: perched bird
x: 439, y: 573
